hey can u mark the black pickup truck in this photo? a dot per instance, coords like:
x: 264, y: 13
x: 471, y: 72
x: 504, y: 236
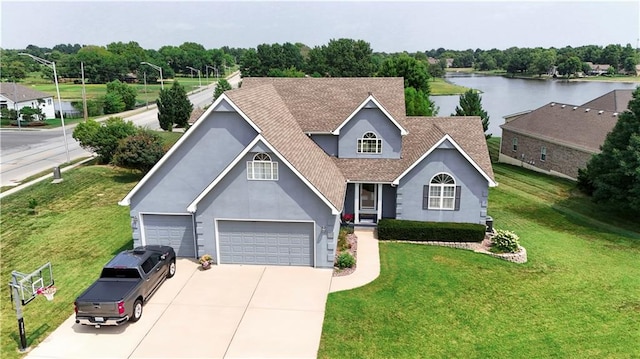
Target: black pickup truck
x: 125, y: 284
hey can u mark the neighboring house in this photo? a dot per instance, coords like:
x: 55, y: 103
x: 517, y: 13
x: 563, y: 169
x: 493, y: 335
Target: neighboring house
x: 265, y: 174
x: 15, y: 96
x: 559, y: 138
x: 598, y: 69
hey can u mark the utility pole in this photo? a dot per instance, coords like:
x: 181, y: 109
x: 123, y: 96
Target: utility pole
x: 84, y: 94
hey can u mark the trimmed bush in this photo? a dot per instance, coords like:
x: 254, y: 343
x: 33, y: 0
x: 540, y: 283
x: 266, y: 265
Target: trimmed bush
x: 403, y: 230
x: 505, y: 242
x: 345, y: 260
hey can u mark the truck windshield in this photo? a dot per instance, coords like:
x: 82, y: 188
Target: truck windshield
x: 120, y: 273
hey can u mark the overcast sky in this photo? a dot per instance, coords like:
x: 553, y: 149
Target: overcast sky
x: 387, y: 26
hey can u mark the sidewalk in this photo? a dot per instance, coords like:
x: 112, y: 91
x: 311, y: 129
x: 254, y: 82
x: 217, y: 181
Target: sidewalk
x: 368, y: 264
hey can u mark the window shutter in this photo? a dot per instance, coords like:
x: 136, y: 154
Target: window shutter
x: 425, y: 197
x: 457, y: 204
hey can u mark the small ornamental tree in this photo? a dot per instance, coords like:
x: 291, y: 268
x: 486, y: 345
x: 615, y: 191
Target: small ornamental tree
x: 30, y: 114
x: 222, y: 86
x: 140, y: 151
x: 103, y: 138
x: 126, y: 93
x: 174, y: 107
x: 471, y: 105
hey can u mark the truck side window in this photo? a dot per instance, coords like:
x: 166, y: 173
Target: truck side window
x: 147, y: 266
x: 155, y: 259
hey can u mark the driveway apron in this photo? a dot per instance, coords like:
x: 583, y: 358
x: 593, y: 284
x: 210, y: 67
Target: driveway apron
x: 229, y: 311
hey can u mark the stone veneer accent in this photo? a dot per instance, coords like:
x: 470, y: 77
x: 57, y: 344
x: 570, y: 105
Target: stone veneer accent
x: 518, y: 257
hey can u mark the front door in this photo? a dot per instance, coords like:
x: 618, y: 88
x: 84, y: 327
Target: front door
x: 368, y: 196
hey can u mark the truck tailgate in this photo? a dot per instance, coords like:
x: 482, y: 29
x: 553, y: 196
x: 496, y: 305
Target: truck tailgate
x: 102, y: 297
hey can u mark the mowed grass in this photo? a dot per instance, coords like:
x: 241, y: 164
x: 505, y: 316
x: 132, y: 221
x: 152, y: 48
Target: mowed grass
x: 441, y: 87
x: 78, y: 226
x: 577, y: 297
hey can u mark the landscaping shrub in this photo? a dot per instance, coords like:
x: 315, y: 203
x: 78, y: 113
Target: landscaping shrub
x: 342, y: 238
x: 505, y: 242
x: 396, y: 229
x: 345, y: 260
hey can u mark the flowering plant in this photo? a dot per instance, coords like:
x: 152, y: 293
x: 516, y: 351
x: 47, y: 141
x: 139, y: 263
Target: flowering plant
x: 347, y: 217
x: 206, y: 258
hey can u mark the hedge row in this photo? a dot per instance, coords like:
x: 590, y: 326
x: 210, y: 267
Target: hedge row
x: 401, y: 230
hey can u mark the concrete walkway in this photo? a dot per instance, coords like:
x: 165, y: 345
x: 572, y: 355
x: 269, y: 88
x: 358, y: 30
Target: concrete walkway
x: 368, y: 263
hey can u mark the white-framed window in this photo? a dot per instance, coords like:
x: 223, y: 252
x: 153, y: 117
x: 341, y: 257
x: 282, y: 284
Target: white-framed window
x: 369, y: 143
x: 262, y: 168
x: 515, y: 143
x: 442, y: 192
x: 543, y: 154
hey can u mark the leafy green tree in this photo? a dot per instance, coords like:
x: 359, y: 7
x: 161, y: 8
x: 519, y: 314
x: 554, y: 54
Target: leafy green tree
x: 342, y: 58
x: 103, y: 138
x: 543, y: 61
x: 417, y: 103
x: 174, y: 107
x: 569, y: 66
x: 250, y: 64
x: 414, y: 72
x: 112, y: 103
x: 140, y: 151
x: 471, y: 105
x: 222, y: 86
x: 30, y: 114
x: 612, y: 176
x: 125, y: 92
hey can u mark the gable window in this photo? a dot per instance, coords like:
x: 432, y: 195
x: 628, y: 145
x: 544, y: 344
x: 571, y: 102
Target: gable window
x: 441, y: 193
x: 515, y: 143
x: 369, y: 143
x: 262, y: 168
x: 543, y: 154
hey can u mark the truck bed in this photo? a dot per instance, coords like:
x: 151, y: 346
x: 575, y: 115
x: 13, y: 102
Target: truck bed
x: 109, y: 290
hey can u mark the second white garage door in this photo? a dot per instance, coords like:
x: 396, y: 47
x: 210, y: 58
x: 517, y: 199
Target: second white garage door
x: 269, y: 243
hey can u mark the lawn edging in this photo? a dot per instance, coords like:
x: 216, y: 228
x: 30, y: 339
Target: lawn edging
x: 518, y: 257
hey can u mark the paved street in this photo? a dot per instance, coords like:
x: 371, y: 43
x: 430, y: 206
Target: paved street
x: 26, y: 152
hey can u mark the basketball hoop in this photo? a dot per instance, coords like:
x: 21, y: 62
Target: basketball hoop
x: 48, y: 292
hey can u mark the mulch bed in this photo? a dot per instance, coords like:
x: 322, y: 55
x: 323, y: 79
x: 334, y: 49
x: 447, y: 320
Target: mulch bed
x: 352, y: 240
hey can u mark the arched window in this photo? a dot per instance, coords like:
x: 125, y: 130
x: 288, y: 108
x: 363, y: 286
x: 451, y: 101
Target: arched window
x: 262, y: 168
x: 442, y: 192
x: 369, y: 143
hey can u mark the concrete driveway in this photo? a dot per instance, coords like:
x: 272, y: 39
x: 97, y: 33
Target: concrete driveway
x: 229, y: 311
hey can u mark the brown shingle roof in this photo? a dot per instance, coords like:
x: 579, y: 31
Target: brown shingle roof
x: 18, y: 93
x: 322, y: 104
x: 562, y: 124
x: 424, y: 133
x: 267, y: 110
x: 614, y: 101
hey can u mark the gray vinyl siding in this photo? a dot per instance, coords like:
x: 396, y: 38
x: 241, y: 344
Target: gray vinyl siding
x: 287, y: 199
x: 473, y: 187
x: 374, y: 120
x: 328, y: 143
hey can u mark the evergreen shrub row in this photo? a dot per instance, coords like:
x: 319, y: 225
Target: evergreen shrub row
x: 403, y: 230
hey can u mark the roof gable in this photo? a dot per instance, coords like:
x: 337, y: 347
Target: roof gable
x: 370, y: 102
x: 614, y: 101
x: 260, y: 143
x: 222, y: 99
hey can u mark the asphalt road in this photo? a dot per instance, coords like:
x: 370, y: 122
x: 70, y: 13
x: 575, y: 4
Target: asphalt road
x: 26, y: 152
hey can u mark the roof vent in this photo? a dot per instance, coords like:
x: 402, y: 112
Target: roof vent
x: 615, y: 114
x: 587, y: 110
x: 575, y: 108
x: 600, y: 112
x: 563, y: 106
x: 553, y: 104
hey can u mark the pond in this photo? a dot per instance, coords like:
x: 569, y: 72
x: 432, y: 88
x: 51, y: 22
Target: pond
x: 503, y: 96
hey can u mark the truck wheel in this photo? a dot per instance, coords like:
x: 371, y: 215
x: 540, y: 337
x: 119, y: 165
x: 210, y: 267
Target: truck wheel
x: 137, y: 311
x: 172, y: 269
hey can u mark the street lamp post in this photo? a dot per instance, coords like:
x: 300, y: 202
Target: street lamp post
x: 55, y: 78
x: 199, y: 79
x: 215, y: 71
x: 157, y: 68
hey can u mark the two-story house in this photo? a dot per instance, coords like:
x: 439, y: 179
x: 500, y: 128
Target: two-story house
x: 265, y: 175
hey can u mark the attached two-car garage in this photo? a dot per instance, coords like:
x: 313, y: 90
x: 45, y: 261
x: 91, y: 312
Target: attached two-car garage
x: 267, y: 243
x: 170, y: 230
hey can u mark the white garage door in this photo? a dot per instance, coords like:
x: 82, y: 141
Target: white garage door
x: 270, y: 243
x: 170, y: 230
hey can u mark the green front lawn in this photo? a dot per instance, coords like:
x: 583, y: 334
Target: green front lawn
x: 577, y: 297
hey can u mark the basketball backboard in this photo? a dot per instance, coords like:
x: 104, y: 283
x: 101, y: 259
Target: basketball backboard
x: 28, y: 284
